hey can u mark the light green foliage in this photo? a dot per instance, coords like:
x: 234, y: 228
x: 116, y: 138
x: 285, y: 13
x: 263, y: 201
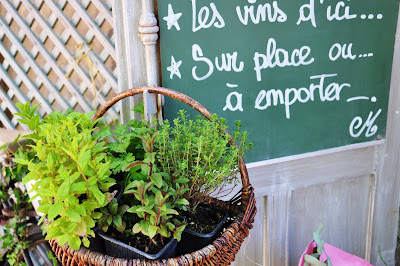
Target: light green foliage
x: 13, y: 241
x: 111, y: 215
x: 14, y: 237
x: 123, y: 147
x: 199, y: 150
x: 72, y: 173
x: 313, y: 259
x: 158, y: 195
x: 13, y: 173
x: 53, y: 258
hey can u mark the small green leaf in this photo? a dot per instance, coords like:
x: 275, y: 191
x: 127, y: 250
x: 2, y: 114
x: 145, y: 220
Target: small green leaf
x: 157, y: 179
x: 73, y: 216
x: 98, y: 194
x: 104, y: 227
x: 113, y: 207
x: 117, y: 220
x: 64, y: 190
x: 133, y: 209
x: 136, y: 228
x: 152, y: 231
x: 34, y: 122
x: 84, y: 159
x: 55, y: 210
x: 122, y: 209
x: 96, y: 215
x: 63, y: 239
x: 30, y: 176
x: 79, y: 188
x: 182, y: 201
x: 122, y: 227
x: 86, y: 242
x: 74, y: 242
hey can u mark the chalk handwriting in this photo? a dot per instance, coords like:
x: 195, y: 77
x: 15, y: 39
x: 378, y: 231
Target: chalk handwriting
x: 202, y: 18
x: 344, y: 51
x: 280, y: 57
x: 263, y: 13
x: 310, y: 9
x: 368, y: 125
x: 326, y: 92
x: 341, y: 12
x: 227, y: 62
x: 238, y: 102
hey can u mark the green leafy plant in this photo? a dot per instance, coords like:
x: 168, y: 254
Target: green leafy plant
x: 14, y: 240
x: 14, y: 237
x: 53, y: 258
x: 72, y: 173
x: 11, y: 173
x: 203, y: 152
x: 112, y: 216
x: 159, y: 197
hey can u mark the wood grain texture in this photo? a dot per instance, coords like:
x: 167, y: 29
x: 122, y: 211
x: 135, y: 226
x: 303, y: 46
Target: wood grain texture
x: 295, y: 174
x: 130, y: 53
x: 386, y: 215
x: 252, y: 251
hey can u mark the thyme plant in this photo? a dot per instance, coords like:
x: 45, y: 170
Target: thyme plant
x: 203, y: 152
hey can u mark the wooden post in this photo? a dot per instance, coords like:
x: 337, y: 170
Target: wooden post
x: 149, y: 34
x: 130, y: 53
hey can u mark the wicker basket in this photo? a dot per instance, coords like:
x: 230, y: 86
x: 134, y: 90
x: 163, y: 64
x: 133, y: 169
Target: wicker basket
x: 221, y: 252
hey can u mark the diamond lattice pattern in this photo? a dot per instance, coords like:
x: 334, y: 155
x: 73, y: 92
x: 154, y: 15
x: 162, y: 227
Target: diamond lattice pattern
x: 59, y: 53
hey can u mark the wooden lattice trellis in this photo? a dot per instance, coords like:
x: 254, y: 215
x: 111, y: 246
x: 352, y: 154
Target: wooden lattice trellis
x: 38, y: 47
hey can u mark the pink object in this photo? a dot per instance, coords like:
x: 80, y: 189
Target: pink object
x: 338, y: 257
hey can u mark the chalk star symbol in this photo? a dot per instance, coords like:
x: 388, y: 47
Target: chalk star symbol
x: 174, y: 68
x: 172, y: 18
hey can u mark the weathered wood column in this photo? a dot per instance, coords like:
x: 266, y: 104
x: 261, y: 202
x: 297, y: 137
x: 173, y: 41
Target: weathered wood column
x: 136, y: 34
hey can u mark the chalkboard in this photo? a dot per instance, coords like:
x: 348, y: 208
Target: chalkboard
x: 301, y: 75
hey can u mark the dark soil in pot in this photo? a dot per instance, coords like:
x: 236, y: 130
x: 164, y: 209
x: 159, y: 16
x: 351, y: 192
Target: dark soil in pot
x: 204, y: 226
x: 126, y: 245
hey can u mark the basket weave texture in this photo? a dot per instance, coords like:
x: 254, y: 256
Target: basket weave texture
x: 221, y: 252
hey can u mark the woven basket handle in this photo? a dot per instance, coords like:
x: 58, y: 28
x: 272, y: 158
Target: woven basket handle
x: 247, y: 190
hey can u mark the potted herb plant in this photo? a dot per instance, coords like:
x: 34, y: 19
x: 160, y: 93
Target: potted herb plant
x: 202, y: 151
x: 72, y: 173
x: 153, y: 223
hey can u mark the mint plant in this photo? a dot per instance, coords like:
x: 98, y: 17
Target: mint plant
x: 203, y: 152
x: 71, y: 172
x: 158, y: 195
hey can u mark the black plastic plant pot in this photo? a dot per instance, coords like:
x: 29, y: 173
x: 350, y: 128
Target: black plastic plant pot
x: 192, y: 241
x: 97, y: 243
x: 119, y: 249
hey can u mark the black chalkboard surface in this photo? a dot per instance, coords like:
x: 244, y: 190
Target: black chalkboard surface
x: 302, y: 75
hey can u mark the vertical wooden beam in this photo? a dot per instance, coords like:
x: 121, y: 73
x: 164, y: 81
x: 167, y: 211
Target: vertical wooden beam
x: 149, y: 34
x: 386, y: 216
x: 130, y: 53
